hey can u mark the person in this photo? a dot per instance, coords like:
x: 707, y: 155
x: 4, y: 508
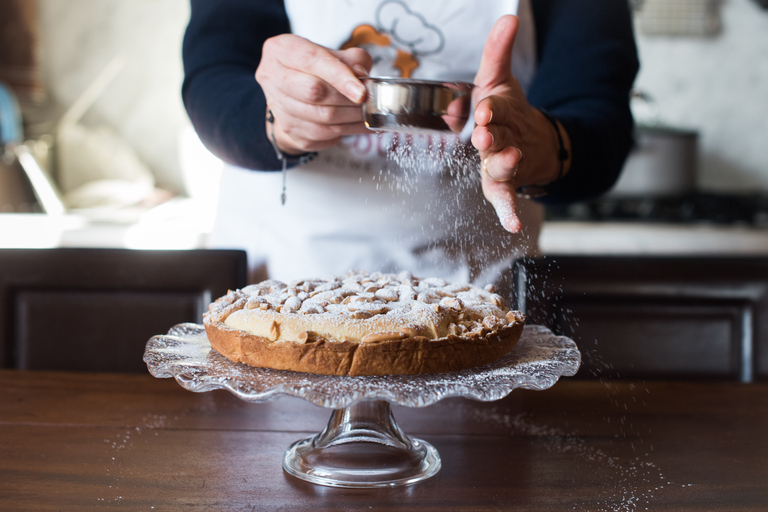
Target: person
x: 276, y: 82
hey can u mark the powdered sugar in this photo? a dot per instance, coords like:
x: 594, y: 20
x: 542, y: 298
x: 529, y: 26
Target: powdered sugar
x: 428, y: 307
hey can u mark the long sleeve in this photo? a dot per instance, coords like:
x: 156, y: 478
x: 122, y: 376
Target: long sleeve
x: 221, y: 51
x: 587, y: 65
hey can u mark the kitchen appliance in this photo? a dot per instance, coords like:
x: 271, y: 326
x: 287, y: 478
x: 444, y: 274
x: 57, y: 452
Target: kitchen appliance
x: 723, y: 209
x: 662, y: 163
x: 24, y: 185
x: 410, y: 105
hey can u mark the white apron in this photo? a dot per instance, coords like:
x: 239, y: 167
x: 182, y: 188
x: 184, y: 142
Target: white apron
x: 364, y: 205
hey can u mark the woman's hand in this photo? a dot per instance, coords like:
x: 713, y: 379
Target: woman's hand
x: 313, y: 93
x: 518, y: 146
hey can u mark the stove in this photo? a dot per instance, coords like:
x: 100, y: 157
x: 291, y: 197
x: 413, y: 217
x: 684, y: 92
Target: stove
x: 749, y: 210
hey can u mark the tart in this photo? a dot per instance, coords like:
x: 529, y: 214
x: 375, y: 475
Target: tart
x: 363, y: 324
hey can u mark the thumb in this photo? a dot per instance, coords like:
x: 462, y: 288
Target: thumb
x: 496, y: 62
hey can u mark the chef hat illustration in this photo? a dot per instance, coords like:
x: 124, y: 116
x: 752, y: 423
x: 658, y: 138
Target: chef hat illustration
x: 408, y: 29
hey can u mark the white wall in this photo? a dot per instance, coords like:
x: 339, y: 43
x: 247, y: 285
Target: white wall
x: 718, y: 86
x: 143, y: 103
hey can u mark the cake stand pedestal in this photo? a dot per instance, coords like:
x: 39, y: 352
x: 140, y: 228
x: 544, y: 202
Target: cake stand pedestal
x: 362, y: 445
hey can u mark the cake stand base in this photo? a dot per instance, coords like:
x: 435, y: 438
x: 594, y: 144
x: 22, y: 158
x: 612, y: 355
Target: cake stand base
x: 362, y: 446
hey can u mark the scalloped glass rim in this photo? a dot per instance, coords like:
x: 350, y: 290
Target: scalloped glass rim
x: 538, y: 360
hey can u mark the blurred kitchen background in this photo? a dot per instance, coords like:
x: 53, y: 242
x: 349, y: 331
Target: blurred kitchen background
x: 98, y: 151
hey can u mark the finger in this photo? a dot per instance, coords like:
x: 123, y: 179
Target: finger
x: 309, y: 136
x: 495, y: 109
x: 320, y: 133
x: 502, y: 197
x: 496, y: 62
x: 494, y: 138
x: 305, y: 88
x: 455, y: 124
x: 482, y: 139
x: 320, y: 114
x: 298, y: 135
x: 502, y: 166
x: 299, y: 54
x: 328, y: 67
x: 294, y: 140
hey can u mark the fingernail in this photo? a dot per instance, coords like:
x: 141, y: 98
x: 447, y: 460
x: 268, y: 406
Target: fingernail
x: 355, y: 91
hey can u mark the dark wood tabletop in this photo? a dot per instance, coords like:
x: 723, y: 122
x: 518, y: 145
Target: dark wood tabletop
x: 88, y: 441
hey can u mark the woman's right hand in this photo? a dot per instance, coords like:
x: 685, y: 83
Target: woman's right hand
x: 314, y: 93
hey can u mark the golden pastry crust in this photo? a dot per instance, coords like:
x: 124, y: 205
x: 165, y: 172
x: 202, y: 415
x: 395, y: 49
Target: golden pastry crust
x: 363, y: 324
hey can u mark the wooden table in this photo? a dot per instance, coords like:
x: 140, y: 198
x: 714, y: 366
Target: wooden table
x: 78, y: 441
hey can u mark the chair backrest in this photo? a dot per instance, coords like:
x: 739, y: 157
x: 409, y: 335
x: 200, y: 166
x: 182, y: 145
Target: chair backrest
x: 95, y: 309
x: 653, y: 317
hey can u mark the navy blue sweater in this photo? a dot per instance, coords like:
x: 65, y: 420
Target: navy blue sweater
x: 587, y: 65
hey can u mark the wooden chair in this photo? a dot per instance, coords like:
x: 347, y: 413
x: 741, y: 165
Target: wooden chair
x: 653, y: 317
x: 95, y: 309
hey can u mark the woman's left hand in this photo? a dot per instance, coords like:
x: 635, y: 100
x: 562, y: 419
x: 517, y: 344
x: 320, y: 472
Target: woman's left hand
x: 518, y: 145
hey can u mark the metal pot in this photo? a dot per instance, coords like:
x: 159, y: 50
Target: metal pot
x: 662, y: 163
x: 409, y: 105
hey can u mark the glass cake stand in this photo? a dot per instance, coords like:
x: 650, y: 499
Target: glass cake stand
x: 362, y: 445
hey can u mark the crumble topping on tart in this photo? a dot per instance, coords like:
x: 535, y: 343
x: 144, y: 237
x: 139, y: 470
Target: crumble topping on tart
x: 442, y: 324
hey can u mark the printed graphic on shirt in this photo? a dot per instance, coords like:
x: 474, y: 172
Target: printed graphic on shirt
x: 398, y: 40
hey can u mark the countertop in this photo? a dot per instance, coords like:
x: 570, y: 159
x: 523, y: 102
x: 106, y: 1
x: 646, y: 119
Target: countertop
x: 184, y: 224
x: 95, y: 441
x: 606, y: 238
x: 180, y: 223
